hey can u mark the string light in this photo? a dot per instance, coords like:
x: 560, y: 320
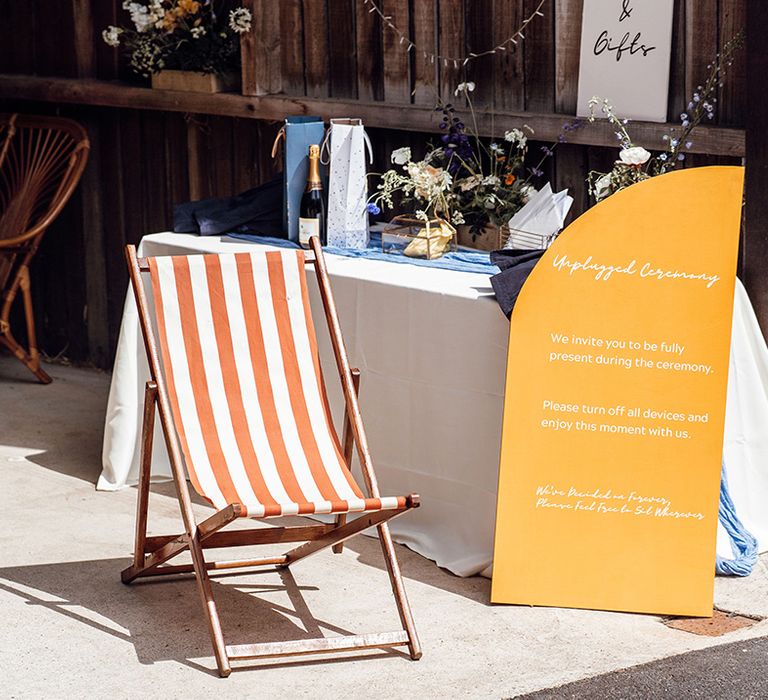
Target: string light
x: 455, y: 60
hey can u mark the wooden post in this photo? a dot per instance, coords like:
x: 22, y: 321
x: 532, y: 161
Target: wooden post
x: 260, y: 49
x: 755, y: 245
x: 85, y: 55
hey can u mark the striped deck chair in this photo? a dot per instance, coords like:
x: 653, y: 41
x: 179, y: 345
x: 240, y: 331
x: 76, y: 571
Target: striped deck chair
x: 237, y: 384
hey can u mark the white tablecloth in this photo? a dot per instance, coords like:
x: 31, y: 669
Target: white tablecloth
x: 431, y: 346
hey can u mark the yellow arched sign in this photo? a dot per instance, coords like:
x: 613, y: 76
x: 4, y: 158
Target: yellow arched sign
x: 615, y: 403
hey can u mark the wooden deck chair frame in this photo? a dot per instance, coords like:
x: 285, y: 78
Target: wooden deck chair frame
x: 152, y: 552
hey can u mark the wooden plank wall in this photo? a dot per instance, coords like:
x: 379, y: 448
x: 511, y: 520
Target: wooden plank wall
x: 145, y: 161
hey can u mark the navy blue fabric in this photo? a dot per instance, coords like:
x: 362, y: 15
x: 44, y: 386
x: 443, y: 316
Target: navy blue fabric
x: 515, y: 266
x: 256, y: 211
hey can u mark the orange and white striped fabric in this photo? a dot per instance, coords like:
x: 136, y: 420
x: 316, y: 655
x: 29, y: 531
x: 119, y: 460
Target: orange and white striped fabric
x: 240, y: 360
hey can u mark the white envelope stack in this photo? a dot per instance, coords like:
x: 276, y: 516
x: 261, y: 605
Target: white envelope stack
x: 535, y: 226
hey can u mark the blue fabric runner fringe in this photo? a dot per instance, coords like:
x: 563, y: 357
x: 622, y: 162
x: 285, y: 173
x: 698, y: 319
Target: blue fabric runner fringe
x: 743, y: 543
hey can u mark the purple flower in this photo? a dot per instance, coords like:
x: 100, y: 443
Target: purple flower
x: 546, y: 150
x: 537, y: 172
x: 371, y: 208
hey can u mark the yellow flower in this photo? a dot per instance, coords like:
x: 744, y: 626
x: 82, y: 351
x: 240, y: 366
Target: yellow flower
x: 189, y: 6
x: 169, y: 21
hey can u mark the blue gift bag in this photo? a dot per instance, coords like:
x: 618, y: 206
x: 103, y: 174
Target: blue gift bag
x: 298, y: 134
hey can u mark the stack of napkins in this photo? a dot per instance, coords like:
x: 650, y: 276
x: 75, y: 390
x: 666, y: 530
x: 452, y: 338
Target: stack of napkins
x: 535, y: 225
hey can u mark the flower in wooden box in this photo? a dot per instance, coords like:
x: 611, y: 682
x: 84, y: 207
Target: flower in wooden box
x: 182, y: 44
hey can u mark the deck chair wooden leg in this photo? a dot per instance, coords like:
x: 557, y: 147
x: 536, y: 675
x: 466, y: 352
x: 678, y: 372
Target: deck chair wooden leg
x: 348, y: 444
x: 209, y: 606
x: 180, y: 543
x: 396, y: 579
x: 142, y: 502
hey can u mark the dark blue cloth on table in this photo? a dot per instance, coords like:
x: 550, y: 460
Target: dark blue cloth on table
x: 515, y: 266
x: 255, y: 211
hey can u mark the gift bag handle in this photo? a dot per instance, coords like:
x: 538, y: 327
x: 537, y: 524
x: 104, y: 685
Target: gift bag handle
x: 280, y: 137
x: 325, y: 150
x: 368, y: 146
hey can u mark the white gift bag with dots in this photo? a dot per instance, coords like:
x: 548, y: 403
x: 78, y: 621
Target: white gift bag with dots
x: 345, y: 145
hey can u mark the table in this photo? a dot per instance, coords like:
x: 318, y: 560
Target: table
x: 431, y: 346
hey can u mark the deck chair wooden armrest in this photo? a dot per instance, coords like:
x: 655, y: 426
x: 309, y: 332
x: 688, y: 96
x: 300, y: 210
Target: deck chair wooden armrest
x: 237, y: 385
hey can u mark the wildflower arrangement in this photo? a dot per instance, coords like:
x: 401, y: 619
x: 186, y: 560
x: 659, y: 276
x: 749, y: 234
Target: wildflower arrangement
x: 464, y: 179
x: 635, y: 163
x: 192, y: 35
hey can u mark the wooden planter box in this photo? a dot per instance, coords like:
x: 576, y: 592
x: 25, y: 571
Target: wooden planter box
x: 490, y: 238
x: 188, y: 81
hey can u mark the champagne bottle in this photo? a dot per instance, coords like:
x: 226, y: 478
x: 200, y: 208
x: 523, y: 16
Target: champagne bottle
x: 312, y: 212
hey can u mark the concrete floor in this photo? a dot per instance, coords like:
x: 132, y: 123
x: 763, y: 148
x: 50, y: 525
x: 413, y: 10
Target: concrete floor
x: 71, y: 629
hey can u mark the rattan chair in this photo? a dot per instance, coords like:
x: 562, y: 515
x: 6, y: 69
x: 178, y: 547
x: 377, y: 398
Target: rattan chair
x: 41, y: 162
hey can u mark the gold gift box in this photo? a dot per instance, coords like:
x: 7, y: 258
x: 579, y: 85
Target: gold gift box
x: 416, y: 238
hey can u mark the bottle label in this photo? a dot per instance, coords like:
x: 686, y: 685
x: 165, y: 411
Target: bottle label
x: 307, y: 229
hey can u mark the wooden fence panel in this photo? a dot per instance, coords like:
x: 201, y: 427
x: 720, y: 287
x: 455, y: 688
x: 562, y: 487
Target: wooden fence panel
x: 397, y: 71
x: 425, y: 69
x: 539, y: 51
x: 567, y: 50
x: 479, y: 38
x: 316, y: 47
x: 509, y: 65
x: 733, y: 19
x: 292, y: 47
x: 450, y: 44
x: 701, y: 42
x: 342, y: 53
x: 370, y: 57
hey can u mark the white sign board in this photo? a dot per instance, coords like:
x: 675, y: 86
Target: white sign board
x: 625, y: 54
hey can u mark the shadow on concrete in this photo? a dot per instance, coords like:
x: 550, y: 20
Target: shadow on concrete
x: 418, y: 568
x: 61, y: 423
x: 163, y: 619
